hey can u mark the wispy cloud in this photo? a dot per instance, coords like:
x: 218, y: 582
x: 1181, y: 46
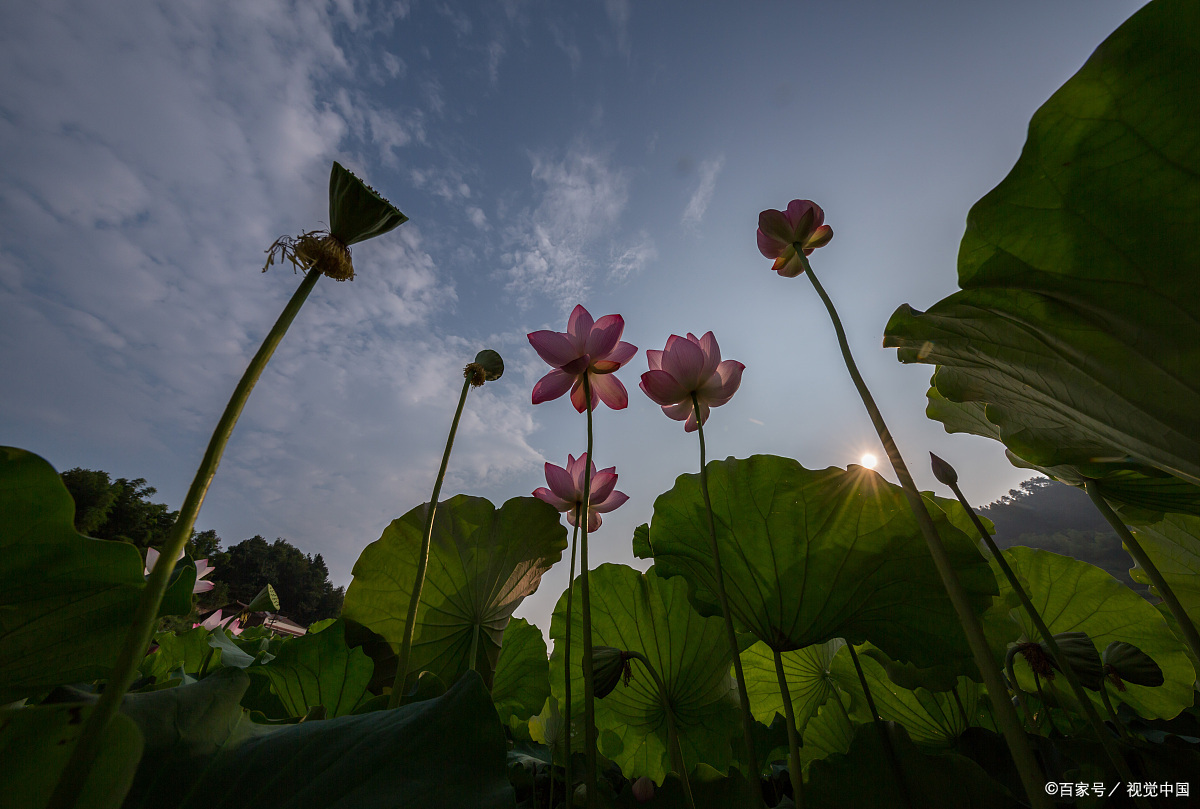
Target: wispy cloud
x: 703, y: 194
x: 580, y: 197
x: 618, y: 15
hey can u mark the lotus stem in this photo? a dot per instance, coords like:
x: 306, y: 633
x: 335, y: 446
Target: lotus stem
x: 567, y: 646
x: 676, y: 750
x: 410, y: 621
x: 1012, y: 679
x: 1027, y: 765
x: 1114, y: 755
x: 1190, y: 636
x: 794, y: 770
x: 589, y: 683
x: 884, y: 739
x: 75, y: 773
x: 731, y: 636
x: 961, y: 710
x: 1108, y: 706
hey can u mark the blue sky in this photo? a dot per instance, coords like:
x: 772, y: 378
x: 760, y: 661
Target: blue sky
x: 613, y: 154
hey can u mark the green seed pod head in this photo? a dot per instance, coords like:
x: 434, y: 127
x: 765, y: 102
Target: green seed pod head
x: 609, y: 665
x: 1126, y: 663
x: 487, y: 367
x: 1081, y: 655
x: 265, y: 601
x: 356, y: 211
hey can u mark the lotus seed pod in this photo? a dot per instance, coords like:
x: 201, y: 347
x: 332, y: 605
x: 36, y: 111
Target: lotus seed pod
x: 265, y: 601
x: 492, y: 364
x: 1126, y: 663
x: 609, y: 665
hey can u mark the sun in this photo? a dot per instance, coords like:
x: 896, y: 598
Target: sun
x: 868, y: 460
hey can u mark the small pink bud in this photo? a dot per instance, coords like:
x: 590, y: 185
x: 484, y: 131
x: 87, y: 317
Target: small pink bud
x: 643, y: 789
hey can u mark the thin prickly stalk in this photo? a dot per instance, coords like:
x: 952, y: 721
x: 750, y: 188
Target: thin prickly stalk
x: 1009, y: 657
x: 410, y: 621
x: 1190, y: 635
x: 794, y: 771
x: 884, y: 739
x: 676, y: 750
x: 961, y: 710
x: 947, y: 475
x: 567, y: 647
x: 731, y: 636
x: 589, y: 684
x: 1108, y: 706
x: 75, y: 774
x: 1027, y: 765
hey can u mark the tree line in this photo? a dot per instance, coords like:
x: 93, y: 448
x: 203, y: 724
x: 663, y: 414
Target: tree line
x: 121, y: 510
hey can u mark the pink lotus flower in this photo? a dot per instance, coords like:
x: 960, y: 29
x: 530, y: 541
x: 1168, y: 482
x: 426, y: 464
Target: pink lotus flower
x: 215, y: 620
x: 566, y: 490
x: 587, y: 347
x: 780, y: 231
x: 203, y: 568
x: 688, y: 366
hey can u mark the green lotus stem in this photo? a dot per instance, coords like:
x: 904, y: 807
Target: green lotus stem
x: 676, y: 750
x: 731, y: 636
x: 1190, y: 636
x: 794, y: 771
x: 410, y: 621
x: 1027, y: 765
x: 474, y: 647
x: 961, y: 710
x: 884, y: 739
x: 550, y: 800
x: 75, y: 774
x: 1037, y: 684
x: 1108, y: 706
x: 842, y: 708
x: 567, y: 646
x: 1012, y: 679
x: 589, y: 683
x: 204, y: 666
x: 1114, y: 755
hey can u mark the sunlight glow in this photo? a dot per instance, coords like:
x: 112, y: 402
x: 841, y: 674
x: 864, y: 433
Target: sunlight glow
x: 868, y: 460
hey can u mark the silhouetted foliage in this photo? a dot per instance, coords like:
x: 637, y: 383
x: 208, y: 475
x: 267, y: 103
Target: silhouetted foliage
x: 1053, y: 516
x: 121, y: 510
x: 300, y: 580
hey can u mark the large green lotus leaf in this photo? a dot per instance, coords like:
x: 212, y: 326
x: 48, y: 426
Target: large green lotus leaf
x: 319, y: 669
x: 1174, y: 546
x: 522, y: 683
x: 644, y: 613
x: 862, y: 778
x: 807, y: 674
x: 932, y: 718
x: 809, y: 556
x: 202, y: 752
x: 1073, y: 596
x: 1077, y: 321
x: 483, y: 562
x: 66, y: 600
x: 36, y: 742
x: 1141, y: 493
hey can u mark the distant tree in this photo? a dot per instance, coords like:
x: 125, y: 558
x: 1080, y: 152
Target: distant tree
x: 301, y: 581
x: 93, y: 494
x: 1053, y: 516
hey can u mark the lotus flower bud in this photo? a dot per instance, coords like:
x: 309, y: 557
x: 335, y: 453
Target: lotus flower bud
x: 943, y: 471
x: 643, y: 789
x: 609, y: 666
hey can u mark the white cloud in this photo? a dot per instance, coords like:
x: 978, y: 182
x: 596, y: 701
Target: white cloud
x: 580, y: 198
x: 477, y: 216
x: 698, y: 204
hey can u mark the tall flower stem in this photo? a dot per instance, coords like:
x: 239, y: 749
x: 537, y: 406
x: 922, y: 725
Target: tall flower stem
x: 567, y: 648
x: 75, y: 774
x: 1190, y: 636
x: 1027, y: 765
x: 410, y: 622
x: 1108, y: 706
x: 1114, y: 755
x: 884, y: 739
x: 589, y: 684
x: 794, y: 768
x: 731, y: 636
x: 675, y: 749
